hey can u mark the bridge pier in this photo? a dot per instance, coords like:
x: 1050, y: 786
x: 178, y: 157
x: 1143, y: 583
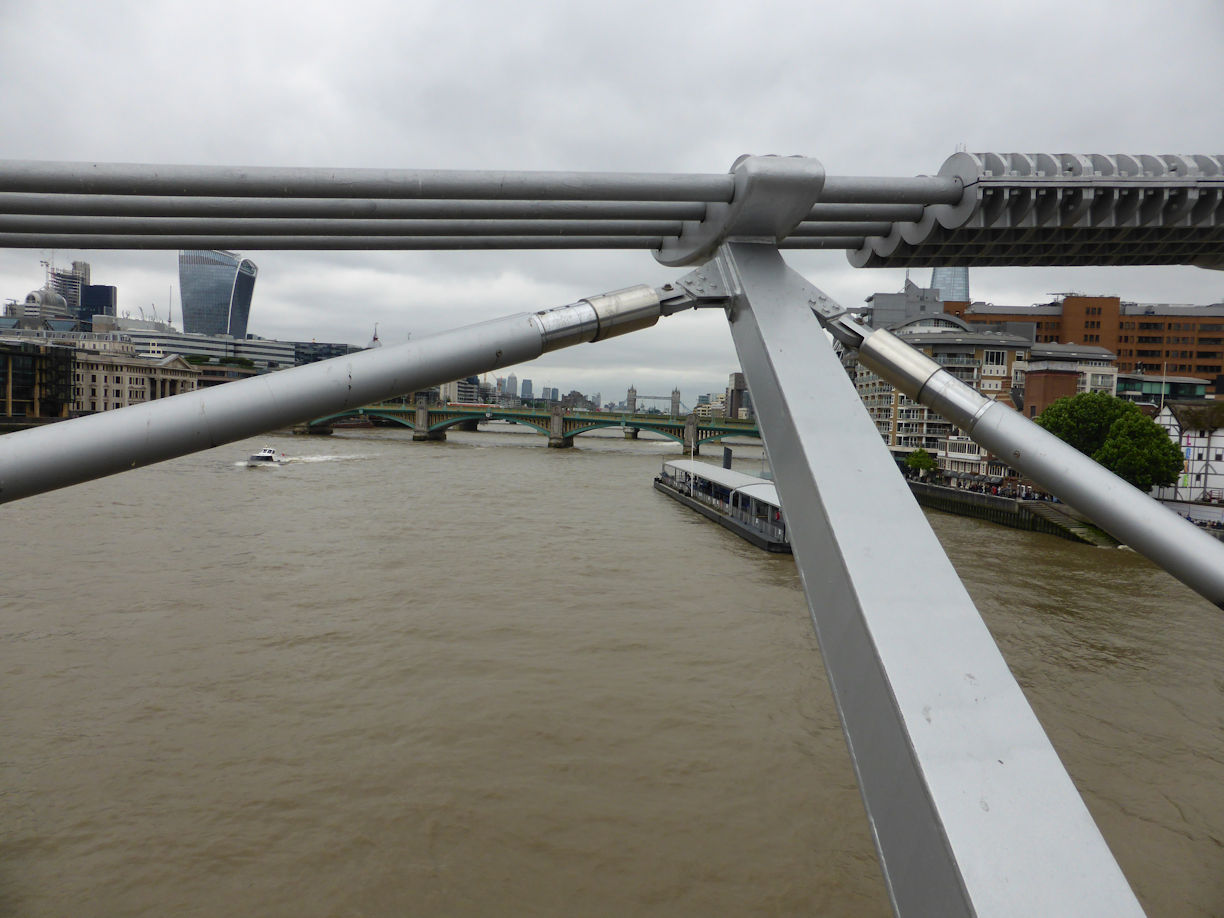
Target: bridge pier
x: 557, y: 438
x: 691, y: 446
x: 421, y: 432
x: 631, y: 433
x: 471, y: 425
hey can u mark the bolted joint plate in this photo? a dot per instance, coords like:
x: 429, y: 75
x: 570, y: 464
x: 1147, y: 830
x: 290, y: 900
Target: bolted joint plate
x: 772, y: 195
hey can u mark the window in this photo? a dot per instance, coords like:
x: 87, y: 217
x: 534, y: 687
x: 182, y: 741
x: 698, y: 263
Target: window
x: 994, y: 358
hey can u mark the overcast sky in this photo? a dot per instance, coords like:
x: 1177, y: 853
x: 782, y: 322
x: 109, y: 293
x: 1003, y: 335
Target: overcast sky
x: 872, y: 88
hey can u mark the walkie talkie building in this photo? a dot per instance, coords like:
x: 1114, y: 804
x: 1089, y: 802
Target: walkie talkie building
x: 216, y: 288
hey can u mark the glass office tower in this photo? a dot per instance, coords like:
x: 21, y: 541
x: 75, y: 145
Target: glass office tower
x: 952, y: 284
x: 216, y: 289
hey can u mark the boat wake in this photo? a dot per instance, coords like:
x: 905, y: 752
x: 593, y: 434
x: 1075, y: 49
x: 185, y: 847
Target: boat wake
x: 297, y: 460
x: 289, y: 460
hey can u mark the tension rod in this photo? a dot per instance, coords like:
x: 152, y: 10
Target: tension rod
x: 81, y: 449
x: 1135, y: 519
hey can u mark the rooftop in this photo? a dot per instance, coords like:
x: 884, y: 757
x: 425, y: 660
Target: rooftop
x: 1197, y: 414
x: 1054, y: 350
x: 759, y: 488
x: 1157, y: 378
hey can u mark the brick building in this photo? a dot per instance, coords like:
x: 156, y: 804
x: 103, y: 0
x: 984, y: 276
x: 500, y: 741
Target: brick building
x: 1146, y: 337
x: 1053, y: 371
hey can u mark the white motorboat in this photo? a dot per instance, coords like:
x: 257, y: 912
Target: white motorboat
x: 266, y: 456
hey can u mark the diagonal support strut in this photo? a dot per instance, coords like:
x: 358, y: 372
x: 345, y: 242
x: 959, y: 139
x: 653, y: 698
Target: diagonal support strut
x: 971, y: 810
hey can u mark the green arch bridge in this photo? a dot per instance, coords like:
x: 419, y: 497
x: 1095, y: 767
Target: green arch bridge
x: 430, y: 422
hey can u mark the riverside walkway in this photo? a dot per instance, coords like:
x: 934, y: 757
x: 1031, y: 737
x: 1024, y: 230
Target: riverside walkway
x: 430, y: 422
x: 1033, y: 515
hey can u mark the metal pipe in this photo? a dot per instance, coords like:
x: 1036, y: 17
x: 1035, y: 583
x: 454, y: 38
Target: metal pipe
x: 69, y: 452
x: 135, y: 205
x: 327, y: 243
x: 288, y: 182
x: 375, y: 243
x: 275, y: 226
x: 908, y: 213
x: 921, y: 189
x: 1181, y: 548
x: 834, y: 228
x: 821, y: 242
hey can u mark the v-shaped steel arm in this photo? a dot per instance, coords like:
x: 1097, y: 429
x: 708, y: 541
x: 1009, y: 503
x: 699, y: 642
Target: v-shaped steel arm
x: 971, y: 809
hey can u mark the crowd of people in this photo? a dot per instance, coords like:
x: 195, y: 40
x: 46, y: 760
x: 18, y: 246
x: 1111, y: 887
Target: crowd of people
x: 1011, y: 489
x: 1020, y: 491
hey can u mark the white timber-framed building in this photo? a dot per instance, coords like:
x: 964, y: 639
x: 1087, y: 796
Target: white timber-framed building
x: 1197, y: 427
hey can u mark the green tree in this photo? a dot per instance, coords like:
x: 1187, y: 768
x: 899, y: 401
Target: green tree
x: 1139, y: 451
x: 1116, y: 434
x: 920, y: 461
x: 1084, y: 420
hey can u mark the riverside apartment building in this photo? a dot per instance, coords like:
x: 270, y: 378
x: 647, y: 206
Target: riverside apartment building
x: 1156, y: 338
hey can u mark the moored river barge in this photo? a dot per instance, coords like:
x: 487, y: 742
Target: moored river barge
x: 745, y: 504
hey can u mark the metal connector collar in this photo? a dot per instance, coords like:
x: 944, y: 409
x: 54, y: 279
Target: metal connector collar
x: 623, y: 311
x: 598, y: 317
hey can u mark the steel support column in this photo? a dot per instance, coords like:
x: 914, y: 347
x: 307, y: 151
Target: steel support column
x: 971, y: 809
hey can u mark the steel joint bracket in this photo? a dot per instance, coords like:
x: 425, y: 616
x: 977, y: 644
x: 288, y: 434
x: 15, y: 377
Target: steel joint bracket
x: 772, y: 195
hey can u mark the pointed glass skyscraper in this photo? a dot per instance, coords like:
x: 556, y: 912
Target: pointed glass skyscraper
x: 952, y: 284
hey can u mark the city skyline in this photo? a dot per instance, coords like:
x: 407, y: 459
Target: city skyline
x: 698, y: 380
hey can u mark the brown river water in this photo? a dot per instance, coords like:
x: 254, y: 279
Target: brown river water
x: 482, y: 677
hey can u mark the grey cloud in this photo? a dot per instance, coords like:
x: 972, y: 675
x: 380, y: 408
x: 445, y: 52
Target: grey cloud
x: 881, y: 88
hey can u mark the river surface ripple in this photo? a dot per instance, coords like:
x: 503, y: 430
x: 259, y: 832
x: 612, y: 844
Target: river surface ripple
x: 484, y: 677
